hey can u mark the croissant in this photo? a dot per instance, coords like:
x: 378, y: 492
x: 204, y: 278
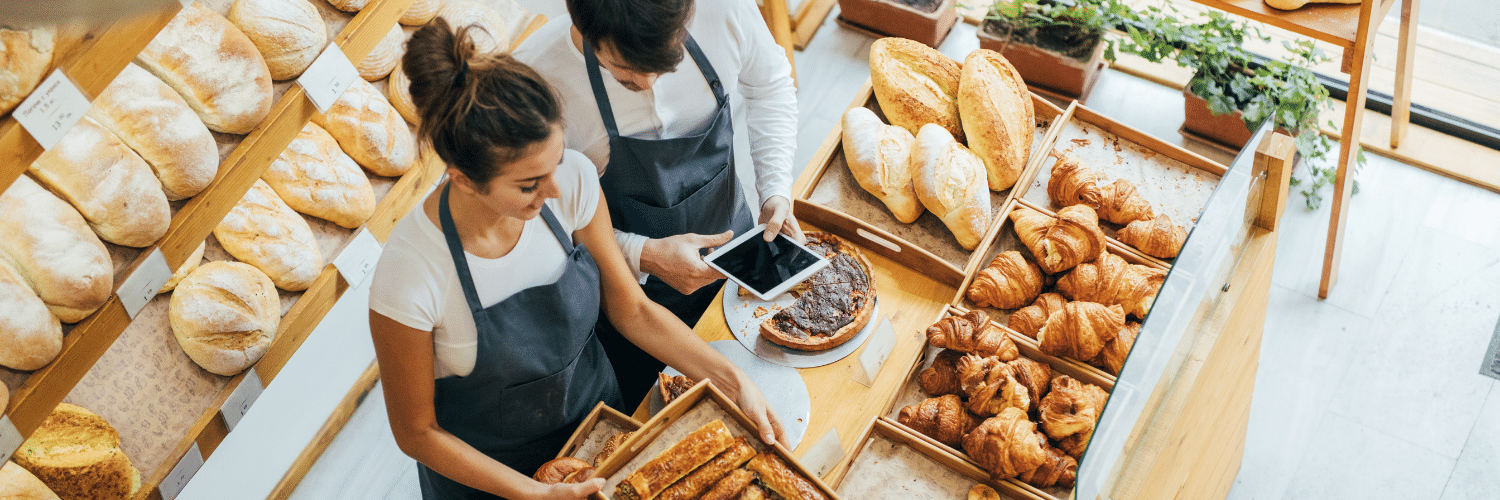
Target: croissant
x: 1037, y: 377
x: 1112, y: 358
x: 1110, y: 280
x: 942, y: 377
x: 1073, y: 183
x: 1080, y: 330
x: 1060, y: 243
x: 1058, y: 469
x: 1006, y: 445
x: 1120, y: 203
x: 1070, y: 412
x: 1009, y: 282
x: 973, y: 333
x: 1157, y: 237
x: 1031, y: 318
x: 941, y: 418
x: 991, y: 385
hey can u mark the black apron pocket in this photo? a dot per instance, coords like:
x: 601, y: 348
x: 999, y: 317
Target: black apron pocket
x: 706, y: 211
x: 536, y: 408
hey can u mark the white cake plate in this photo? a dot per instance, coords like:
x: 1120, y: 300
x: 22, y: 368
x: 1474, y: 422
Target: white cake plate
x: 739, y: 314
x: 783, y: 387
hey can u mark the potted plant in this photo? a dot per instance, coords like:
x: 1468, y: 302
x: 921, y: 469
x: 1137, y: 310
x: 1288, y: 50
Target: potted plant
x: 1058, y: 46
x: 926, y: 21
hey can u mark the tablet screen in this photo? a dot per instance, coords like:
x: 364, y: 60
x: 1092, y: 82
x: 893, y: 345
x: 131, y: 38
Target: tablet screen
x: 762, y: 265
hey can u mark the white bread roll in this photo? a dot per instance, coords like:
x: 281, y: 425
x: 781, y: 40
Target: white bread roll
x: 950, y: 182
x: 185, y: 269
x: 53, y: 249
x: 215, y: 68
x: 879, y: 157
x: 77, y: 455
x: 314, y: 177
x: 17, y: 483
x: 382, y: 59
x: 157, y: 124
x: 261, y: 230
x: 495, y: 27
x: 915, y: 85
x: 370, y: 130
x: 398, y: 88
x: 420, y: 12
x: 288, y: 33
x: 225, y: 315
x: 30, y: 336
x: 108, y: 183
x: 997, y: 115
x: 24, y: 58
x: 349, y: 5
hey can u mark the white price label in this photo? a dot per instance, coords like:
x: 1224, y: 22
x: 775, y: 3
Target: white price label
x: 328, y: 77
x: 824, y: 454
x: 877, y: 349
x: 143, y: 284
x: 52, y: 109
x: 358, y: 259
x: 181, y: 474
x: 239, y: 402
x: 10, y: 438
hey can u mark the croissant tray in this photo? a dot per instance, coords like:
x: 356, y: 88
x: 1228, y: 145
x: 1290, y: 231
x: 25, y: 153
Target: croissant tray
x: 887, y: 449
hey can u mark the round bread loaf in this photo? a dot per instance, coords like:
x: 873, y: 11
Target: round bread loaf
x: 225, y: 315
x: 185, y: 269
x: 17, y: 483
x: 372, y: 132
x: 382, y: 59
x: 158, y: 125
x: 215, y: 68
x: 398, y: 88
x: 288, y: 33
x: 108, y: 183
x: 24, y: 57
x: 51, y: 246
x: 261, y: 230
x: 493, y: 29
x: 420, y: 12
x: 77, y: 455
x: 316, y: 178
x: 915, y: 85
x: 30, y: 336
x: 349, y: 5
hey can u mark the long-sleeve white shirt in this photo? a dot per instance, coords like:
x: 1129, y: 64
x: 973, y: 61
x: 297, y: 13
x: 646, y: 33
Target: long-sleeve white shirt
x: 737, y: 43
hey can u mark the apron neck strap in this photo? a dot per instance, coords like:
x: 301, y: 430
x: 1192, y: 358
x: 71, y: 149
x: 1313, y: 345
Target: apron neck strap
x: 461, y: 261
x: 596, y: 81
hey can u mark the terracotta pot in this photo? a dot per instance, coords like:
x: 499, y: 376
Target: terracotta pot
x: 1047, y: 71
x: 891, y: 18
x: 1226, y: 130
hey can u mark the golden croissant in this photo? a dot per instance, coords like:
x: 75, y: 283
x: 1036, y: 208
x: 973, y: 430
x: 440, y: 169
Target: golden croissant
x: 941, y: 418
x: 1007, y: 445
x: 991, y: 385
x: 1070, y: 411
x: 942, y: 377
x: 1037, y: 377
x: 1120, y: 203
x: 1058, y: 469
x: 1157, y: 237
x: 1110, y: 280
x: 1029, y: 319
x: 1063, y: 242
x: 1073, y: 183
x: 1080, y: 330
x: 1112, y: 358
x: 973, y: 333
x: 1009, y: 282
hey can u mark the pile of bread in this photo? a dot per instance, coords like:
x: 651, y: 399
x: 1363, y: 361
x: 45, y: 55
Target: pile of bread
x: 1010, y: 414
x: 75, y: 454
x: 957, y: 132
x: 1073, y: 183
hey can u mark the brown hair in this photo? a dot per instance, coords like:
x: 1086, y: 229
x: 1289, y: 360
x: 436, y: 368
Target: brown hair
x: 647, y: 34
x: 478, y: 111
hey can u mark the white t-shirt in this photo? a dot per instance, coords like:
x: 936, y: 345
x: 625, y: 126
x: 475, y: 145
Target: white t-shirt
x: 416, y: 284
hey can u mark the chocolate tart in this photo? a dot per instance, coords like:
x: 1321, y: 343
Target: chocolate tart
x: 833, y: 305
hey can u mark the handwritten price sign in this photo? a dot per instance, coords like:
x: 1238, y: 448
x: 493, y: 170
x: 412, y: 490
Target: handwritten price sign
x: 53, y: 109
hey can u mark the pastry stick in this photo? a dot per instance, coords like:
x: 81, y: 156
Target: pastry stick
x: 782, y: 480
x: 731, y: 486
x: 692, y: 451
x: 709, y: 474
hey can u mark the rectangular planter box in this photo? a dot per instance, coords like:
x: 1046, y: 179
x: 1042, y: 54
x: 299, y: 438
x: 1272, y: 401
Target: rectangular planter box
x: 890, y: 18
x: 1046, y: 71
x: 1224, y: 130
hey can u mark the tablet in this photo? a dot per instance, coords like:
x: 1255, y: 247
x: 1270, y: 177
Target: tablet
x: 765, y: 269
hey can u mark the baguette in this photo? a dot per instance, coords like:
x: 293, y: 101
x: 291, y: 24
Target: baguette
x: 879, y: 156
x: 110, y: 185
x: 731, y: 486
x: 153, y: 120
x: 950, y: 182
x: 215, y: 68
x: 26, y: 56
x: 30, y: 336
x: 709, y: 474
x: 52, y: 248
x: 915, y: 85
x: 997, y: 115
x: 261, y: 230
x: 315, y: 178
x: 370, y: 131
x: 288, y: 33
x: 694, y: 450
x: 782, y: 480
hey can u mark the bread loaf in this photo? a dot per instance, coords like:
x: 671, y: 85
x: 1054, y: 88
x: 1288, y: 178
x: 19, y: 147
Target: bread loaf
x: 30, y: 336
x: 398, y: 88
x: 261, y: 230
x: 494, y: 27
x: 879, y: 157
x: 158, y: 125
x: 288, y: 33
x: 314, y: 177
x: 694, y: 450
x: 420, y: 12
x: 24, y: 58
x: 369, y: 130
x: 950, y: 182
x: 53, y: 250
x: 225, y: 315
x: 997, y: 115
x: 185, y: 269
x: 915, y: 85
x: 17, y: 483
x: 349, y: 5
x: 777, y: 477
x: 77, y: 455
x: 382, y: 59
x: 706, y: 476
x: 215, y: 68
x: 108, y: 183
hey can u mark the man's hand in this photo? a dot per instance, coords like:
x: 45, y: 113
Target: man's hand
x: 678, y: 261
x: 572, y: 491
x: 776, y: 214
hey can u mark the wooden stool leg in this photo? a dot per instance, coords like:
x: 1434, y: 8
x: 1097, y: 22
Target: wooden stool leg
x: 1343, y: 186
x: 1405, y: 54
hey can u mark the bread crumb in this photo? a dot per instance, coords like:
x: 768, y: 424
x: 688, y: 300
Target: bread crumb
x: 760, y: 311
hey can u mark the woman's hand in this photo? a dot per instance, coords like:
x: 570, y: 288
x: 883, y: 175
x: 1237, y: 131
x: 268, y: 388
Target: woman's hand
x: 755, y: 406
x: 570, y: 491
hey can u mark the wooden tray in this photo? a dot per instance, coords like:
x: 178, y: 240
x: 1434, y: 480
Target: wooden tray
x: 890, y: 462
x: 834, y: 201
x: 596, y: 428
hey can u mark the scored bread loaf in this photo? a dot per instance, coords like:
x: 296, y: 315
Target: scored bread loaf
x: 30, y: 336
x: 777, y: 477
x: 314, y: 177
x: 694, y: 450
x: 370, y: 130
x: 494, y: 26
x: 997, y: 115
x: 24, y: 58
x: 225, y: 315
x: 349, y: 5
x: 398, y: 88
x: 879, y: 156
x: 77, y: 455
x: 950, y: 182
x: 915, y: 85
x: 261, y: 230
x: 215, y: 68
x: 420, y: 12
x: 382, y: 59
x: 17, y: 483
x: 186, y: 268
x: 108, y: 183
x: 157, y: 124
x: 52, y: 248
x: 288, y: 33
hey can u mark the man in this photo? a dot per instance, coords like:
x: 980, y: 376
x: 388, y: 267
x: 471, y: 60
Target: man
x: 646, y: 89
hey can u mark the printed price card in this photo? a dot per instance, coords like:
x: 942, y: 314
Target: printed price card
x: 824, y: 455
x: 358, y: 259
x: 181, y: 474
x: 239, y: 402
x: 877, y: 349
x: 52, y: 109
x: 328, y: 77
x: 143, y: 284
x: 10, y: 438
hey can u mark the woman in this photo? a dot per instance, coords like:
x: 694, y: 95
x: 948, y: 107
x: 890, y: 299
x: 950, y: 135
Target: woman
x: 484, y: 302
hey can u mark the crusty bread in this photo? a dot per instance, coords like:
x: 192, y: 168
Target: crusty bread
x: 349, y: 5
x: 950, y: 182
x: 915, y: 85
x: 30, y: 336
x: 77, y: 455
x: 108, y: 183
x: 17, y: 483
x: 370, y: 130
x: 215, y: 68
x: 288, y: 33
x: 495, y: 29
x: 420, y: 12
x: 54, y: 251
x: 314, y: 177
x: 261, y: 230
x: 382, y: 59
x: 185, y: 269
x: 225, y: 315
x: 157, y: 124
x: 879, y: 157
x: 24, y: 58
x: 997, y: 115
x: 398, y: 88
x: 694, y: 450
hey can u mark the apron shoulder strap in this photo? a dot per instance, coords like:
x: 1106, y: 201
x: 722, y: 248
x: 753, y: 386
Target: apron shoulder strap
x: 456, y: 248
x: 606, y: 112
x: 707, y: 69
x: 557, y: 230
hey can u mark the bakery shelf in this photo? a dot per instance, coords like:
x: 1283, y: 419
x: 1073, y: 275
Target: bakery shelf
x: 890, y: 462
x: 1333, y: 23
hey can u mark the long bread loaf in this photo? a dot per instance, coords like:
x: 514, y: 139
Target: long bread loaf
x: 776, y: 476
x: 51, y: 247
x: 705, y: 477
x: 108, y: 183
x: 694, y: 450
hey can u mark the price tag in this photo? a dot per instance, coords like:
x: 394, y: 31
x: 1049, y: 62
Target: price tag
x: 144, y: 283
x: 239, y: 402
x: 328, y: 77
x: 181, y: 474
x: 10, y: 438
x: 877, y: 349
x: 52, y: 109
x: 824, y: 455
x: 358, y: 259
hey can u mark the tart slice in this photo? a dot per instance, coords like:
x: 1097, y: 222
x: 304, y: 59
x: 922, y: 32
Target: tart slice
x: 834, y: 304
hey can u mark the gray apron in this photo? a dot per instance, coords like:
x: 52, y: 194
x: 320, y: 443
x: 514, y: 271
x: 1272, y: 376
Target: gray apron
x: 666, y: 187
x: 538, y: 371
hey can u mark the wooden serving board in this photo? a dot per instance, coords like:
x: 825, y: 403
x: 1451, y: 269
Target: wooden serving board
x: 890, y: 462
